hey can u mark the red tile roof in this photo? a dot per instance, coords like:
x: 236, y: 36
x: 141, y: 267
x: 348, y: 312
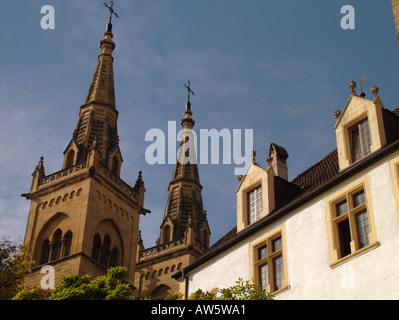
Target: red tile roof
x: 324, y: 170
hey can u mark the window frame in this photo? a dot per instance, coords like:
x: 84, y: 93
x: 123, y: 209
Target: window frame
x: 333, y: 220
x: 356, y: 127
x: 258, y: 262
x: 248, y: 195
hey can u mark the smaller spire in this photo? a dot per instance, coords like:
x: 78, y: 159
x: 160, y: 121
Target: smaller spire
x: 40, y: 167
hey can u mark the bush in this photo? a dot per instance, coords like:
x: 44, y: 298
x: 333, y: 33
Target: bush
x: 243, y: 290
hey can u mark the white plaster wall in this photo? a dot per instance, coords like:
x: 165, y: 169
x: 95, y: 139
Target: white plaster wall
x: 373, y: 275
x: 223, y: 272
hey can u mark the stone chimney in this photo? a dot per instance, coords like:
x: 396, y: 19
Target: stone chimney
x: 277, y: 159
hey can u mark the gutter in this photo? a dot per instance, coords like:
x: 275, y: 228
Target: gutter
x: 276, y: 215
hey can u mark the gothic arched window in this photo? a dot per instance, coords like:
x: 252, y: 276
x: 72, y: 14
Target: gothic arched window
x: 70, y: 160
x: 95, y: 253
x: 45, y: 252
x: 67, y: 244
x: 57, y: 245
x: 105, y: 250
x: 166, y: 234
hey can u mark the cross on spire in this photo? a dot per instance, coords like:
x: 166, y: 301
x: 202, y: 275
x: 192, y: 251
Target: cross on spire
x: 188, y: 87
x: 111, y: 12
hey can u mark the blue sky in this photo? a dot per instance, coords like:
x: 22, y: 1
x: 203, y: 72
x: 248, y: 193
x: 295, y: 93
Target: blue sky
x: 280, y: 68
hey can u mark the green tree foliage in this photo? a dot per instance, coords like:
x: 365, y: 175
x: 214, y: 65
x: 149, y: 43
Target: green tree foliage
x: 15, y: 263
x: 109, y: 287
x: 113, y: 287
x: 243, y: 290
x: 33, y: 294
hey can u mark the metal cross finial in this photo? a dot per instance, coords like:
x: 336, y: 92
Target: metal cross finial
x: 111, y: 11
x: 188, y: 87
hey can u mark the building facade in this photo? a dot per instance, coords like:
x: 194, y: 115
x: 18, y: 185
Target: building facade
x: 331, y: 233
x: 85, y: 218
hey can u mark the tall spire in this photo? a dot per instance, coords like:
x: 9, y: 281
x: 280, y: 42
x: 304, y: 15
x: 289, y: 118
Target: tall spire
x: 184, y: 208
x: 98, y: 115
x: 102, y: 88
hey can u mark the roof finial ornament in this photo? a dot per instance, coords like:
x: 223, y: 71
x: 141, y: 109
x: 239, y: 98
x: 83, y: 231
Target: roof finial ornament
x: 253, y: 155
x: 375, y: 91
x: 352, y: 86
x: 111, y: 12
x: 190, y: 92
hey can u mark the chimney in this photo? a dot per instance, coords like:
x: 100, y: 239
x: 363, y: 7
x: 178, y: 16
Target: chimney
x: 277, y: 159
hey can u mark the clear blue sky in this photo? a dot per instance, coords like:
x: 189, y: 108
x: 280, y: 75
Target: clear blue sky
x: 280, y: 68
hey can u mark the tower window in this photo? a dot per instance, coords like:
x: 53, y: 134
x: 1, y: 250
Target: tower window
x: 360, y: 140
x: 67, y: 244
x: 166, y: 234
x: 105, y: 251
x: 45, y: 252
x: 95, y: 253
x: 70, y: 160
x: 57, y: 245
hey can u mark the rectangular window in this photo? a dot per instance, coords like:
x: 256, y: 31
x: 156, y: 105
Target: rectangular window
x: 255, y: 204
x: 360, y: 140
x: 269, y: 264
x: 352, y: 223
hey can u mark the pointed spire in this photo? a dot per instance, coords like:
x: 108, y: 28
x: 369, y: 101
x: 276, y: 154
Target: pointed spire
x: 40, y: 168
x: 184, y: 205
x: 97, y: 124
x: 102, y: 87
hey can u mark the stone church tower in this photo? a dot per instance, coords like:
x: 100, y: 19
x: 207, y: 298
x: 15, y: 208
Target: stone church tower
x: 85, y: 218
x: 184, y: 231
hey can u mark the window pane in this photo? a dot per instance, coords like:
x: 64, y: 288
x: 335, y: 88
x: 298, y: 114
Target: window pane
x: 262, y: 253
x: 365, y: 136
x: 356, y: 145
x: 264, y: 277
x: 342, y: 208
x: 277, y: 244
x: 359, y: 199
x: 278, y: 273
x: 363, y: 229
x: 255, y: 205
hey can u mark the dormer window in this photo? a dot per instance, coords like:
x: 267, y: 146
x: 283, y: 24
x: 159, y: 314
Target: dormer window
x: 360, y: 140
x: 255, y: 204
x: 363, y: 127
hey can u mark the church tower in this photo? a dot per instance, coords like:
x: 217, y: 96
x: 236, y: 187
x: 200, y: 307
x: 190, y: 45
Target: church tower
x: 84, y: 218
x: 184, y: 231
